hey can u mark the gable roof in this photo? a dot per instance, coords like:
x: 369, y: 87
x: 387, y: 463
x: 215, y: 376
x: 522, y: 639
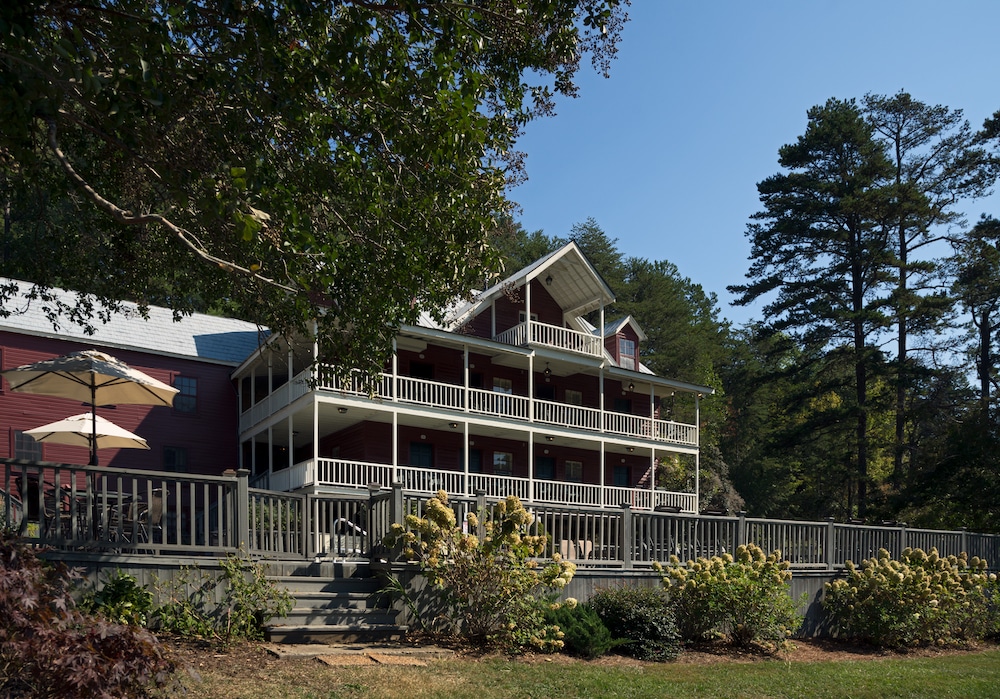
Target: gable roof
x: 615, y: 327
x: 198, y: 336
x: 576, y: 286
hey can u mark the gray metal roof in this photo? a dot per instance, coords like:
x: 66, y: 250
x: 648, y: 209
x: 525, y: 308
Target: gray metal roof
x: 198, y: 336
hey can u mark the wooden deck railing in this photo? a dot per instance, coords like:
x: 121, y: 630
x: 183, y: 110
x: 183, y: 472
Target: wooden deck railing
x: 87, y: 510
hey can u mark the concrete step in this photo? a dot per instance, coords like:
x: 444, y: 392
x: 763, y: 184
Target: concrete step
x: 333, y: 633
x: 304, y: 616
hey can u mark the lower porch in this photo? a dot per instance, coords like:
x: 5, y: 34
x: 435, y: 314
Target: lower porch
x: 324, y: 474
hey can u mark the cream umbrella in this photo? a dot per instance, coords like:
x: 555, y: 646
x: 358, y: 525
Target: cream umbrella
x: 91, y: 377
x: 81, y: 431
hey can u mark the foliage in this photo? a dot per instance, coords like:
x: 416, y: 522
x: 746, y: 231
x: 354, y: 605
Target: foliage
x: 922, y: 598
x: 121, y: 599
x: 249, y: 600
x: 584, y: 633
x: 281, y: 158
x: 491, y: 583
x: 49, y: 648
x: 643, y: 616
x: 744, y: 597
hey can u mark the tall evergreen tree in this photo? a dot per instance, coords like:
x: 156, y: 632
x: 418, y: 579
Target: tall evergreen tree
x: 819, y: 249
x: 936, y: 165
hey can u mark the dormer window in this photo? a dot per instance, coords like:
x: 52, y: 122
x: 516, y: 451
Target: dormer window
x: 626, y: 353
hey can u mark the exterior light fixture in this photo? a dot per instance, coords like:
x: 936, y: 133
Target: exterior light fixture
x: 549, y: 437
x: 341, y: 410
x: 631, y: 386
x: 548, y: 371
x: 452, y: 425
x: 548, y: 280
x: 631, y: 449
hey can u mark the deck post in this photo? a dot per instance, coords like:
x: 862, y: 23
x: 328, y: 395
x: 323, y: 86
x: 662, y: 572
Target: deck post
x: 828, y: 546
x: 902, y: 539
x: 481, y: 512
x: 242, y: 524
x: 396, y: 513
x: 965, y: 541
x: 741, y: 529
x: 628, y: 536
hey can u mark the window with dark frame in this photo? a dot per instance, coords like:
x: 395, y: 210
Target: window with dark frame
x: 26, y: 447
x: 186, y: 400
x: 421, y: 455
x: 622, y: 476
x: 175, y: 459
x: 574, y: 471
x: 545, y: 468
x: 503, y: 463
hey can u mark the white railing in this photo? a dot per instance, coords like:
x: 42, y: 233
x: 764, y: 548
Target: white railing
x: 423, y: 480
x: 629, y: 425
x: 276, y: 400
x: 498, y: 404
x: 432, y: 393
x: 687, y: 502
x: 357, y: 474
x: 637, y: 499
x: 567, y: 415
x: 567, y: 493
x: 499, y: 486
x: 293, y: 477
x: 675, y: 432
x: 535, y: 333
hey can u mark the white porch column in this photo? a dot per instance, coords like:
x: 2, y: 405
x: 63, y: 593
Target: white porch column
x: 465, y: 437
x: 291, y: 444
x: 531, y: 387
x: 604, y: 495
x: 493, y: 318
x: 270, y: 450
x: 315, y: 432
x: 652, y: 475
x: 395, y: 389
x: 395, y: 447
x: 697, y: 454
x: 466, y: 398
x: 531, y: 465
x: 600, y: 332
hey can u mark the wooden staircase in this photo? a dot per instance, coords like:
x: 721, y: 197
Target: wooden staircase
x: 335, y: 602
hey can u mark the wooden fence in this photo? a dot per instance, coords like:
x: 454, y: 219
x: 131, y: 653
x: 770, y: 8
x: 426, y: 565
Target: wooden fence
x: 152, y: 513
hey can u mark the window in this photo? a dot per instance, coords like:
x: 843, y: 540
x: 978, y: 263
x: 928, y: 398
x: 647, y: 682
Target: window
x: 545, y: 392
x: 574, y: 471
x: 503, y: 463
x: 623, y: 405
x: 521, y: 317
x: 25, y: 447
x: 476, y: 380
x: 421, y: 454
x: 626, y: 353
x: 186, y: 400
x: 545, y: 468
x: 574, y: 397
x: 503, y: 385
x: 475, y: 461
x: 175, y: 459
x: 623, y: 476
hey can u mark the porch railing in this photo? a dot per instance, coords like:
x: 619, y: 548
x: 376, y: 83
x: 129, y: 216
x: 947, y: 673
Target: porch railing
x: 149, y: 513
x: 535, y: 333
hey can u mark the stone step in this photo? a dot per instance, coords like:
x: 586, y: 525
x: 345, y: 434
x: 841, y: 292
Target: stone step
x: 333, y: 633
x: 306, y: 616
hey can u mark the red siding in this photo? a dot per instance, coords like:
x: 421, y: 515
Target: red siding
x: 209, y: 435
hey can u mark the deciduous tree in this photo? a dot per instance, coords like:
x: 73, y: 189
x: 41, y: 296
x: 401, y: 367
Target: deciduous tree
x: 337, y: 160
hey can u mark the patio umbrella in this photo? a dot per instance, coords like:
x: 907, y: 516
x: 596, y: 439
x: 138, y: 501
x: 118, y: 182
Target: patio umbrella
x: 91, y: 377
x: 80, y: 430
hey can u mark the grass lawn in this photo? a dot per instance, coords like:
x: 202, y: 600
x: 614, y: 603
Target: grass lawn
x: 965, y: 675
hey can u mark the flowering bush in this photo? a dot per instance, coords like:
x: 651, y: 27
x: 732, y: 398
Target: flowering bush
x: 642, y: 616
x: 494, y: 586
x: 744, y: 598
x: 922, y: 598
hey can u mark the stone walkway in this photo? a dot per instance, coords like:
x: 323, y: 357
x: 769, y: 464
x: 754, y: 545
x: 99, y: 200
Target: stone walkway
x: 360, y: 654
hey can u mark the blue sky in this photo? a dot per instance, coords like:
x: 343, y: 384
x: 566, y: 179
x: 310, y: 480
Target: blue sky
x: 666, y: 154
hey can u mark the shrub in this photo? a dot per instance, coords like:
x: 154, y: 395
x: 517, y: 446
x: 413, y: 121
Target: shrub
x: 121, y: 600
x: 50, y: 648
x: 745, y: 598
x: 249, y: 601
x: 584, y: 633
x: 491, y: 586
x: 643, y: 617
x: 922, y: 598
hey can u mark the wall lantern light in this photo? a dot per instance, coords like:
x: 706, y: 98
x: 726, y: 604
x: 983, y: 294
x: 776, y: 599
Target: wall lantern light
x: 548, y: 280
x: 631, y: 387
x: 341, y: 410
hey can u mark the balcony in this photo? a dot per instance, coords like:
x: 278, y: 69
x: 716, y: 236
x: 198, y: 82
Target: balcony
x: 477, y: 401
x: 535, y: 333
x: 338, y: 473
